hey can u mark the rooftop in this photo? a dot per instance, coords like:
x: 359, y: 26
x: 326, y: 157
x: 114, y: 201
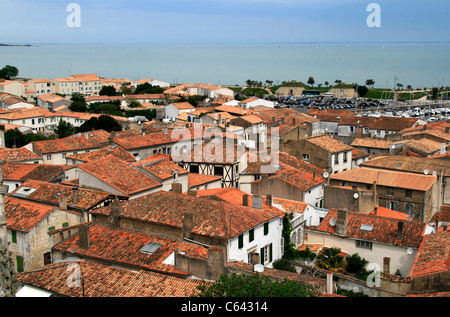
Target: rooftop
x: 386, y: 178
x: 383, y: 229
x: 329, y: 144
x: 213, y: 218
x: 24, y: 215
x: 102, y: 280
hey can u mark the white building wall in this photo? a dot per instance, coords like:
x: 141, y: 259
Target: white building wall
x: 260, y: 240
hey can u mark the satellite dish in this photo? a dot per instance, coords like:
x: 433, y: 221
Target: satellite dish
x: 332, y: 222
x: 425, y: 172
x: 325, y: 175
x: 355, y: 195
x: 409, y: 251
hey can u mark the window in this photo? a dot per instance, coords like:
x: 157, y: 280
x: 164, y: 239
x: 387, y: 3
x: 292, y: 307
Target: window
x: 306, y: 157
x: 345, y: 157
x: 390, y: 191
x: 65, y: 224
x: 266, y: 254
x: 49, y: 157
x: 266, y: 228
x: 51, y: 228
x: 336, y: 159
x: 251, y: 235
x: 408, y: 193
x: 364, y: 244
x: 240, y: 241
x: 14, y: 236
x: 409, y: 209
x: 19, y: 262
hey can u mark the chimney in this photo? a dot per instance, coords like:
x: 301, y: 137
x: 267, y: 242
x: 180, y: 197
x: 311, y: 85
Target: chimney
x: 84, y: 236
x: 330, y: 282
x: 114, y: 213
x: 245, y: 200
x: 400, y: 231
x: 269, y: 200
x: 188, y: 224
x: 192, y: 193
x: 62, y: 202
x: 257, y: 202
x: 375, y: 211
x: 341, y: 222
x: 177, y: 188
x: 75, y: 198
x: 375, y: 198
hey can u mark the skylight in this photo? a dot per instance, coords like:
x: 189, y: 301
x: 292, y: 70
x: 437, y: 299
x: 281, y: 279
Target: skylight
x: 366, y: 227
x: 151, y: 247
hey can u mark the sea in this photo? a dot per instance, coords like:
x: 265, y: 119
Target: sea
x: 421, y: 65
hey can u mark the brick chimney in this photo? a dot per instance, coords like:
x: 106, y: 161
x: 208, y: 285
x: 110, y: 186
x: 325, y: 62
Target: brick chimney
x: 188, y: 224
x: 257, y: 202
x: 84, y: 240
x: 114, y: 213
x: 269, y: 200
x: 177, y: 188
x: 62, y: 202
x: 341, y: 222
x: 75, y: 197
x: 245, y: 200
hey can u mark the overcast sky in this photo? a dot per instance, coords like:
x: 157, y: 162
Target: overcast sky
x: 223, y: 21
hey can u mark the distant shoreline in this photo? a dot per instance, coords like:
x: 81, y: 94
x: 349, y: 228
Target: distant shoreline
x: 26, y: 45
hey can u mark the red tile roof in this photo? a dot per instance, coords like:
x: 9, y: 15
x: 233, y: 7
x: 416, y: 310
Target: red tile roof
x: 384, y: 229
x: 147, y: 140
x: 195, y: 179
x: 329, y: 144
x: 24, y: 215
x: 69, y: 144
x: 123, y: 247
x: 119, y: 175
x: 387, y: 178
x: 24, y: 171
x: 160, y: 165
x: 433, y: 256
x: 18, y: 155
x: 101, y: 280
x: 212, y: 218
x: 114, y: 150
x: 49, y: 193
x: 370, y: 143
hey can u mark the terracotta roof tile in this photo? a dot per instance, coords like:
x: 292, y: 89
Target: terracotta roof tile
x: 433, y: 256
x: 23, y: 215
x: 212, y: 217
x: 24, y: 171
x: 195, y: 179
x: 49, y: 193
x: 101, y: 280
x: 111, y: 171
x: 114, y: 150
x: 160, y: 165
x: 386, y: 178
x: 147, y: 140
x: 371, y: 143
x: 123, y: 247
x: 331, y: 145
x: 384, y: 229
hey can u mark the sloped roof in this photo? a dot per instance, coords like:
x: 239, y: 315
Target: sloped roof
x: 329, y: 144
x: 24, y: 215
x: 147, y: 140
x: 123, y: 247
x: 433, y: 255
x: 371, y: 143
x: 386, y: 178
x: 23, y: 171
x: 195, y: 179
x: 102, y: 280
x: 49, y: 193
x: 113, y: 150
x: 119, y: 175
x: 384, y: 229
x: 212, y: 218
x: 161, y: 166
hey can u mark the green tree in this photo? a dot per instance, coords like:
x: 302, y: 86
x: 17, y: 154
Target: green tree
x: 14, y: 138
x: 362, y: 91
x: 355, y: 264
x: 254, y: 285
x: 147, y: 88
x: 64, y: 129
x: 329, y: 258
x: 9, y: 71
x: 78, y: 103
x: 311, y: 81
x: 108, y: 91
x: 104, y: 122
x: 370, y: 82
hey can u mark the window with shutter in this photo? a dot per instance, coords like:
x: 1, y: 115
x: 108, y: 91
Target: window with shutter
x: 241, y: 241
x: 266, y: 228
